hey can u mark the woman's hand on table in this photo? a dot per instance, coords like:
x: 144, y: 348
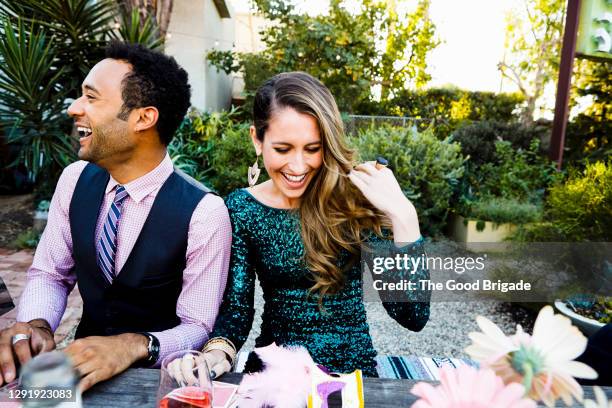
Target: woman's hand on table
x: 218, y: 363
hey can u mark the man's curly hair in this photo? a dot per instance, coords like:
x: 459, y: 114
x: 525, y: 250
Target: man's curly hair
x: 156, y: 80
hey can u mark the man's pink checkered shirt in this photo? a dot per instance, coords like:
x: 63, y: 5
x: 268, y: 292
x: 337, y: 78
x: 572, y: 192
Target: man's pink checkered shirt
x: 50, y: 279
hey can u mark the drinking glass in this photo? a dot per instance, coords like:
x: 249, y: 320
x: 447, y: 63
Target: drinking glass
x: 184, y: 381
x: 50, y: 380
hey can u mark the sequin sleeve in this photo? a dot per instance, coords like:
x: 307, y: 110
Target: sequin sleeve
x: 410, y: 308
x: 236, y: 313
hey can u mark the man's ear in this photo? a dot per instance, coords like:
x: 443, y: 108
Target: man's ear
x: 256, y: 142
x: 146, y: 118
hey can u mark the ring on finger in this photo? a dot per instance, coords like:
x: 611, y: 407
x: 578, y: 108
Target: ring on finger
x: 381, y: 163
x: 19, y: 336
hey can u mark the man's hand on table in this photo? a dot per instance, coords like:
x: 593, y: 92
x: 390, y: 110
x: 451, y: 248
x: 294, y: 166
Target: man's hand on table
x: 100, y: 358
x: 39, y: 339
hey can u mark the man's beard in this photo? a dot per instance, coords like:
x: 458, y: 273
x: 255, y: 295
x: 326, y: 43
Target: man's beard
x: 105, y: 142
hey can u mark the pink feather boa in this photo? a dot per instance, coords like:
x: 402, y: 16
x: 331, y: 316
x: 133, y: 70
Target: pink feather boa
x: 284, y: 383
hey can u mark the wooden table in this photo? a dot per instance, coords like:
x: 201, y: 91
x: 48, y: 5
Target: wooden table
x: 138, y: 388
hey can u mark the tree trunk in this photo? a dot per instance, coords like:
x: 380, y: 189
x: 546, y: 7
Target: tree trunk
x: 164, y: 10
x: 158, y: 10
x: 527, y: 114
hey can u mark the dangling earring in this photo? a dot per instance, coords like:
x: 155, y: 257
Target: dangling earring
x: 253, y: 173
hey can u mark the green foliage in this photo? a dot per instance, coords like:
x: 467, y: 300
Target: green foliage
x: 478, y: 139
x: 26, y: 240
x: 79, y: 28
x: 521, y: 174
x: 427, y: 169
x: 193, y: 143
x: 505, y: 167
x: 579, y: 209
x: 340, y: 48
x: 135, y: 31
x: 533, y: 47
x: 505, y: 210
x: 232, y: 156
x: 582, y: 206
x: 588, y: 136
x: 446, y: 109
x: 214, y: 148
x: 32, y: 109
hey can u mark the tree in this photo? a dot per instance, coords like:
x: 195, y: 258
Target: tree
x: 349, y: 51
x: 589, y: 134
x: 533, y: 46
x: 409, y: 40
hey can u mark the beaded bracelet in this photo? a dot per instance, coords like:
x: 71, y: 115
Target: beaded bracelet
x: 223, y: 344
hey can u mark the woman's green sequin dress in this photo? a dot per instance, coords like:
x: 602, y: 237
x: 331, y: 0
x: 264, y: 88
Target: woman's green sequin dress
x: 267, y: 244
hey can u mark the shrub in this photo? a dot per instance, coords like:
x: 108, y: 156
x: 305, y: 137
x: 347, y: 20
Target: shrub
x: 215, y: 149
x: 478, y: 139
x: 520, y: 175
x: 579, y: 209
x: 231, y: 157
x: 582, y: 206
x: 192, y: 147
x: 502, y: 210
x: 446, y: 108
x: 427, y: 169
x: 32, y: 108
x: 588, y: 139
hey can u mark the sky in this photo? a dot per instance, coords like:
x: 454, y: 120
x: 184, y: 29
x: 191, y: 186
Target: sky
x: 472, y: 35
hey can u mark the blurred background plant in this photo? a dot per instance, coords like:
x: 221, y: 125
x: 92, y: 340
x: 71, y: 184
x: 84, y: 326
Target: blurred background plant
x: 577, y: 209
x: 427, y: 169
x: 46, y: 49
x: 215, y: 149
x: 33, y: 101
x: 506, y: 168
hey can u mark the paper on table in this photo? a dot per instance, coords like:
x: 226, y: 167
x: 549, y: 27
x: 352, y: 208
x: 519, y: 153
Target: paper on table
x: 224, y: 395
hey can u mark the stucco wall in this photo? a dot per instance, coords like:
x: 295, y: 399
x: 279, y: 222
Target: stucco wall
x: 196, y: 27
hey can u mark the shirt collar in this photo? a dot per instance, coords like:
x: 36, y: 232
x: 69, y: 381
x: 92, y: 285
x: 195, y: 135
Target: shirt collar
x: 146, y: 184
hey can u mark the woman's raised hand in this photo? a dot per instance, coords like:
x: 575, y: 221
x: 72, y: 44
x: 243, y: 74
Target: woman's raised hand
x: 380, y: 187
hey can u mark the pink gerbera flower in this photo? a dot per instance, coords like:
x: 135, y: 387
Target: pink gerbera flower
x: 467, y: 387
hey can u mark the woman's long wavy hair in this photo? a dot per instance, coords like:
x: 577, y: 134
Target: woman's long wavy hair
x: 334, y: 214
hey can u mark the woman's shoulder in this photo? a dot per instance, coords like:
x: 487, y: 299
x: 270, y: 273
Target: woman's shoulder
x: 239, y: 201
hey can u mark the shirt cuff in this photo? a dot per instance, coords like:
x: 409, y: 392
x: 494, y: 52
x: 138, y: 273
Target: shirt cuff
x: 180, y: 338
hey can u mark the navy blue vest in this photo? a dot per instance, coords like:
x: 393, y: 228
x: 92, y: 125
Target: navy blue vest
x: 144, y: 294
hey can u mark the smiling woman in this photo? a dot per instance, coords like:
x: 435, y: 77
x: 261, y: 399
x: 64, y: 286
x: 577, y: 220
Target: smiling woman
x: 300, y: 233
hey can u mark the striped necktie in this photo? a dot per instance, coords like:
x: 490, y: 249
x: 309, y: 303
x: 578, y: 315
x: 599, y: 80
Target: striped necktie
x: 107, y: 245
